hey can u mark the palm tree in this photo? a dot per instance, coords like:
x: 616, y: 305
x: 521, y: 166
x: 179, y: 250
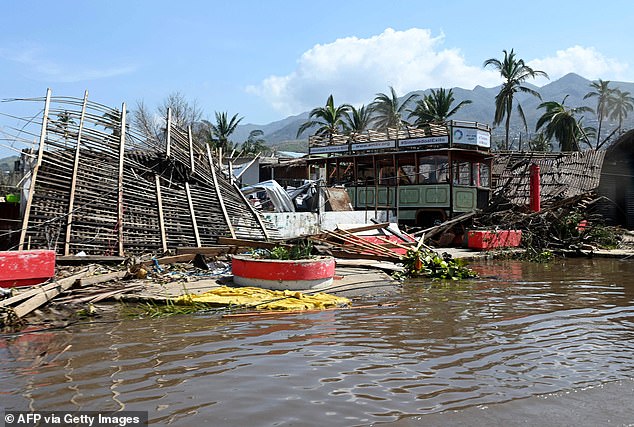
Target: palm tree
x: 111, y: 120
x: 389, y: 110
x: 562, y: 124
x: 63, y: 122
x: 585, y: 134
x: 254, y: 144
x: 515, y: 72
x: 602, y: 92
x: 358, y: 121
x: 436, y: 107
x: 219, y: 133
x: 329, y: 119
x: 620, y: 104
x: 539, y: 142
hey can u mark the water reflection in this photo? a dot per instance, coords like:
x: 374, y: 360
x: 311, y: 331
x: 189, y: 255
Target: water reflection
x: 523, y: 329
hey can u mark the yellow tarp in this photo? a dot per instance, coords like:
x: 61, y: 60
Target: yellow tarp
x: 265, y: 299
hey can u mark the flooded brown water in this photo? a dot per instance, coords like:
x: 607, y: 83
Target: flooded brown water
x: 522, y: 330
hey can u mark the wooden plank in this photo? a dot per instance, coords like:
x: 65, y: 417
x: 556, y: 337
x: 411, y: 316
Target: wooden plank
x: 250, y: 243
x: 432, y: 231
x: 73, y: 184
x: 365, y: 227
x: 33, y: 290
x: 44, y: 296
x: 101, y: 278
x: 364, y: 243
x: 120, y: 192
x: 206, y: 250
x: 40, y: 153
x: 192, y: 213
x: 161, y: 217
x: 219, y: 194
x: 172, y: 259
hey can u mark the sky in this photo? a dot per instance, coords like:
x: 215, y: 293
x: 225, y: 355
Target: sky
x: 267, y: 60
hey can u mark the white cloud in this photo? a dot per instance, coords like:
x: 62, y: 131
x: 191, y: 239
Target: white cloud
x: 355, y: 69
x: 39, y: 66
x: 585, y: 61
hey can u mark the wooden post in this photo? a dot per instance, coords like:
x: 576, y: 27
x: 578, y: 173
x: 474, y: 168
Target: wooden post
x: 40, y: 153
x: 191, y: 149
x: 192, y: 214
x: 120, y: 201
x: 168, y: 139
x: 73, y: 184
x: 219, y: 194
x: 159, y: 202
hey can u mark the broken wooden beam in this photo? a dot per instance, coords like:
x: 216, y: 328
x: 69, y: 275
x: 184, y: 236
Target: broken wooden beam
x: 44, y: 296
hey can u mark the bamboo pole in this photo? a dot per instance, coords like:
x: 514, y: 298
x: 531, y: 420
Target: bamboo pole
x: 168, y: 139
x: 120, y: 201
x: 73, y: 185
x: 219, y: 194
x: 192, y: 214
x: 191, y: 149
x: 40, y: 153
x: 161, y: 217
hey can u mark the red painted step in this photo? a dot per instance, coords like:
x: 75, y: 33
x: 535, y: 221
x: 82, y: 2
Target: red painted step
x: 26, y: 268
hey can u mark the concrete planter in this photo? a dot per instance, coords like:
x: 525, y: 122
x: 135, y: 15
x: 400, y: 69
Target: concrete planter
x: 277, y: 274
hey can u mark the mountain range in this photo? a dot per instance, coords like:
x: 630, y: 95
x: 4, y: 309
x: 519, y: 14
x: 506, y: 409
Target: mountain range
x: 282, y: 134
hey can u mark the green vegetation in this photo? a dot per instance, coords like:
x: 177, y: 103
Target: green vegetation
x: 219, y: 133
x: 169, y: 308
x: 358, y: 121
x: 603, y: 93
x: 560, y: 122
x: 388, y: 110
x: 430, y: 264
x: 621, y: 103
x: 436, y: 107
x: 515, y: 72
x: 329, y: 119
x: 301, y: 250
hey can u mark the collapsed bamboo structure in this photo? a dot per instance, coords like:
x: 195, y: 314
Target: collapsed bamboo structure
x: 102, y: 187
x: 563, y: 175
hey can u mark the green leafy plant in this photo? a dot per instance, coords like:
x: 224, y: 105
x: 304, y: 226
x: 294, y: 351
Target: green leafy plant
x: 430, y: 264
x: 301, y: 250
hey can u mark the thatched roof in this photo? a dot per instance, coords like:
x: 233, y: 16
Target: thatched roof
x: 563, y: 175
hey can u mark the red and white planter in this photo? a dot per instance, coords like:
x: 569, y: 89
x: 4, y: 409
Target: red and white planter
x: 283, y: 274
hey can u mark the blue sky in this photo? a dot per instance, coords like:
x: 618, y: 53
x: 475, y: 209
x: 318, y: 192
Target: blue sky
x: 269, y: 59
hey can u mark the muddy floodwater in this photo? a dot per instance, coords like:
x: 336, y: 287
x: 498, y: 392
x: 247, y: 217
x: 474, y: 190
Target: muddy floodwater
x: 519, y: 331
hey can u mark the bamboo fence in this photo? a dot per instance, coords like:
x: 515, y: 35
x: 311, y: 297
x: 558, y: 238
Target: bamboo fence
x: 102, y: 187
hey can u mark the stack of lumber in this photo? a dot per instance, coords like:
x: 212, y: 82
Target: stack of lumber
x: 388, y: 244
